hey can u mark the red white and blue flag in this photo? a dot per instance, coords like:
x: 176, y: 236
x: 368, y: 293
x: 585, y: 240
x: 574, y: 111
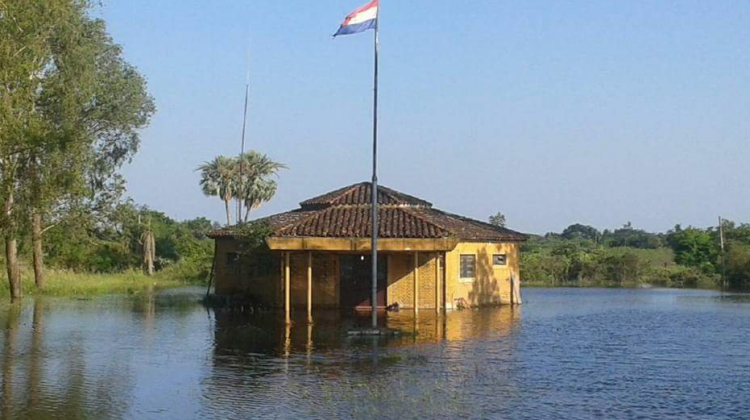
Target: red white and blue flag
x: 360, y: 20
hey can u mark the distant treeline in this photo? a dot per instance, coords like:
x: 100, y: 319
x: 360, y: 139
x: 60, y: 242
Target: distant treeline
x: 683, y: 257
x: 112, y: 241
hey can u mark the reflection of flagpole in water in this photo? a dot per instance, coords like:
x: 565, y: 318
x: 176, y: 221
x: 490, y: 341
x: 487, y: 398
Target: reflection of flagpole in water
x: 445, y: 325
x: 416, y: 326
x: 287, y: 339
x: 309, y: 346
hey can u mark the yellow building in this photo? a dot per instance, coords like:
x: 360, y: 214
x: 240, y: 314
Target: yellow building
x: 319, y: 256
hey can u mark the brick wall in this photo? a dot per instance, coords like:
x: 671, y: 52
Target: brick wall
x: 245, y: 276
x: 401, y: 279
x: 325, y: 279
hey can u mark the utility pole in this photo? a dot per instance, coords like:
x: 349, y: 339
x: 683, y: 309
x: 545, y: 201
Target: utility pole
x: 723, y: 255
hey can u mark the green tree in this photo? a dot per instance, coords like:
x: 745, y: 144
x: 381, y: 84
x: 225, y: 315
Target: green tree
x: 579, y: 231
x: 199, y: 227
x: 247, y: 178
x: 257, y: 185
x: 219, y: 179
x: 497, y: 220
x: 693, y: 247
x: 738, y: 265
x: 627, y: 236
x: 68, y: 102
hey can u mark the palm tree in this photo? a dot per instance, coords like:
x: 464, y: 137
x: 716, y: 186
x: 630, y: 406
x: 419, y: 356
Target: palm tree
x: 219, y: 179
x: 256, y: 187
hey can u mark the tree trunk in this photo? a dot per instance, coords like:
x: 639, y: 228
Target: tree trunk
x: 11, y: 251
x: 229, y: 212
x: 14, y: 274
x: 149, y: 252
x: 152, y: 254
x: 36, y: 239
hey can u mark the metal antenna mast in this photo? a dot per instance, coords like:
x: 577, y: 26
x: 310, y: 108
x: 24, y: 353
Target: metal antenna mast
x: 242, y: 148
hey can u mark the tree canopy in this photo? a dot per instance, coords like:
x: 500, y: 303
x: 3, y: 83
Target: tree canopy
x: 70, y: 113
x: 248, y: 178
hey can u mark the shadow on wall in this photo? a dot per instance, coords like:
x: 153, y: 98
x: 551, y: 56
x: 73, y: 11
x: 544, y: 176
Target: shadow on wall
x: 485, y: 290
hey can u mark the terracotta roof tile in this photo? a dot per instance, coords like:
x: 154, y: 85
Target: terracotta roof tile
x: 361, y: 194
x: 345, y: 213
x: 355, y: 222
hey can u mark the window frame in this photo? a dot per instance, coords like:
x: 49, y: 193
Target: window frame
x: 461, y: 277
x: 505, y: 260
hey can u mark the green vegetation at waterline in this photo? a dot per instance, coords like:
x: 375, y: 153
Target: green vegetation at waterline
x: 582, y: 256
x: 118, y: 240
x: 71, y: 109
x: 103, y: 252
x: 72, y: 284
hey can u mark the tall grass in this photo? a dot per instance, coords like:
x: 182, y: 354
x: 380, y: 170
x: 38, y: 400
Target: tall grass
x: 74, y: 284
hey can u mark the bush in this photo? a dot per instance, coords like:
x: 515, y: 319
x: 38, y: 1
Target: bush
x: 738, y: 265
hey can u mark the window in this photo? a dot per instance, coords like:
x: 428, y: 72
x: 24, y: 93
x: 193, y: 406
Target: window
x: 232, y: 259
x: 468, y: 266
x: 499, y: 259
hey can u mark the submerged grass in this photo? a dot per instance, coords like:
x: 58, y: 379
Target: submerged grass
x: 74, y: 284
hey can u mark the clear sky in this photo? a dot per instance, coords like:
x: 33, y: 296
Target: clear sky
x: 550, y: 112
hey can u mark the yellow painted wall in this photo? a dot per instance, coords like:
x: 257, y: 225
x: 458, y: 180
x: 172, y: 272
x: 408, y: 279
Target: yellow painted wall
x: 401, y: 279
x: 491, y: 284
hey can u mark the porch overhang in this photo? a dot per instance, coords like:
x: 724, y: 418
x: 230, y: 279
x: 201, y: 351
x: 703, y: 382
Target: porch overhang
x: 360, y: 244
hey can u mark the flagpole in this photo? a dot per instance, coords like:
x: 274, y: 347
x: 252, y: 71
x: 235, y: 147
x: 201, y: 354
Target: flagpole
x: 374, y: 297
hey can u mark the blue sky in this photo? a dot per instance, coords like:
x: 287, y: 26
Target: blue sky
x: 551, y: 112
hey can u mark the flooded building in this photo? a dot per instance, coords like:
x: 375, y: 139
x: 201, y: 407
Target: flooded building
x: 319, y: 255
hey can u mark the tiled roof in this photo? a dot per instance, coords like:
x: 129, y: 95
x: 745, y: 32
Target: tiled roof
x: 345, y: 213
x: 361, y: 194
x: 355, y: 222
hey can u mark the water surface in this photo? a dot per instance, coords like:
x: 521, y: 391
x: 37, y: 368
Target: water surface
x: 567, y: 353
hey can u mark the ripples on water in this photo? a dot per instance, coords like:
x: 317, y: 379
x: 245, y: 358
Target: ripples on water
x: 567, y: 353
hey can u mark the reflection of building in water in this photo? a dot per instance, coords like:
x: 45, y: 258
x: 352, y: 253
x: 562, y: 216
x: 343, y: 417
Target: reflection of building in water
x: 263, y: 365
x: 269, y: 334
x: 318, y: 255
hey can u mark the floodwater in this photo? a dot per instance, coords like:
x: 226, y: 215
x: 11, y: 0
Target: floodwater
x: 566, y: 354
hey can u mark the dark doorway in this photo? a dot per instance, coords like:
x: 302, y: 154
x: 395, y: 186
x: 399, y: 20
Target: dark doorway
x: 356, y: 280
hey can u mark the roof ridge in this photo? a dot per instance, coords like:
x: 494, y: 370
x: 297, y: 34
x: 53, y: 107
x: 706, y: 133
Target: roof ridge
x: 361, y: 194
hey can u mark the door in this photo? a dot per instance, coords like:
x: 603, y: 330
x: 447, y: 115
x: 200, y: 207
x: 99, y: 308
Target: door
x: 356, y: 280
